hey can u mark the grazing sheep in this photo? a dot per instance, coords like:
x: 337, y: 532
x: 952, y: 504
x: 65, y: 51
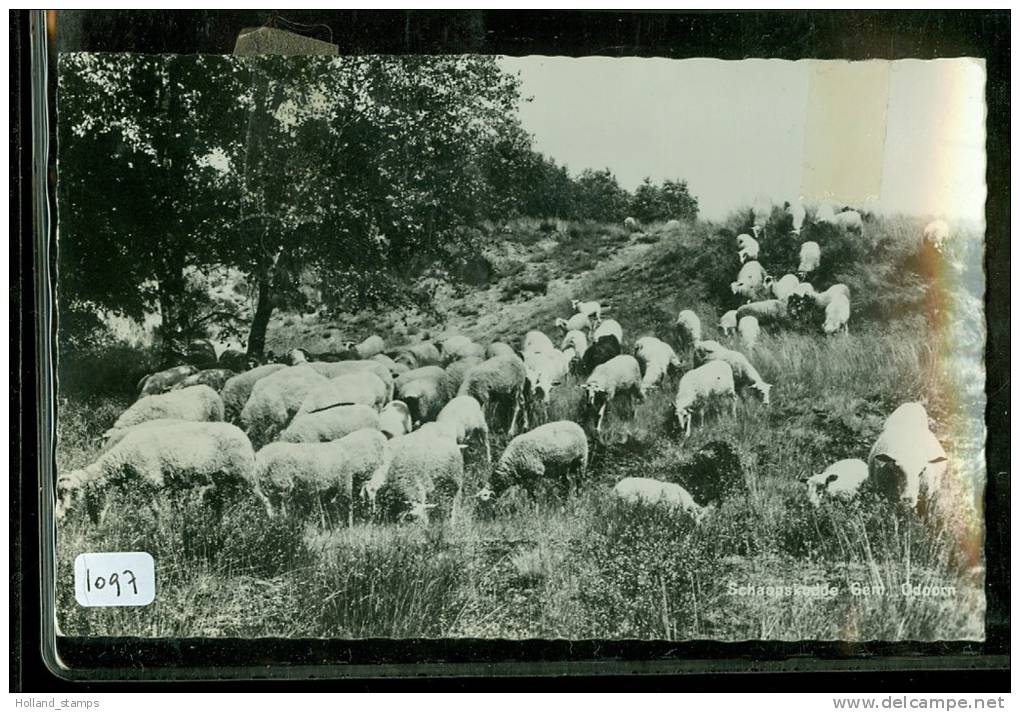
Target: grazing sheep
x: 395, y: 419
x: 703, y: 348
x: 547, y: 369
x: 728, y: 322
x: 810, y: 258
x: 275, y: 399
x: 749, y: 331
x: 344, y: 368
x: 433, y: 372
x: 351, y: 389
x: 647, y: 491
x: 460, y: 349
x: 592, y: 310
x: 424, y: 353
x: 555, y: 450
x: 236, y: 360
x: 750, y: 280
x: 578, y: 322
x: 798, y: 213
x: 744, y: 374
x: 849, y: 220
x: 201, y: 353
x: 760, y: 211
x: 536, y: 342
x: 297, y: 478
x: 425, y: 391
x: 465, y: 418
x: 609, y: 327
x: 498, y: 348
x: 840, y: 480
x: 631, y: 225
x: 768, y: 311
x: 368, y: 348
x: 620, y: 375
x: 195, y: 403
x: 598, y: 353
x: 688, y: 329
x: 698, y: 387
x: 907, y: 457
x: 837, y: 315
x: 413, y: 468
x: 823, y: 299
x: 215, y: 378
x: 575, y: 340
x: 163, y: 381
x: 656, y: 358
x: 457, y: 371
x: 212, y: 457
x: 671, y: 225
x: 748, y: 247
x: 330, y: 424
x: 238, y: 388
x: 936, y: 233
x: 825, y: 213
x: 499, y: 380
x: 392, y: 366
x: 784, y: 287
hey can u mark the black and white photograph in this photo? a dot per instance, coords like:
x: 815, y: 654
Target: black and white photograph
x: 476, y: 346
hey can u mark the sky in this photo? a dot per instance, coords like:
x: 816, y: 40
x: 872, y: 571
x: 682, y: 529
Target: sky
x: 905, y: 136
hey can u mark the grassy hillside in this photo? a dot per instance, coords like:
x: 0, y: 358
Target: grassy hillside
x: 591, y: 567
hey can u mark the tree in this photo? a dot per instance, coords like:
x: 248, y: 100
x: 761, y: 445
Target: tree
x: 598, y: 196
x: 670, y: 201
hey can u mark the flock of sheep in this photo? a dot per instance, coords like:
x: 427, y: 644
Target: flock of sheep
x: 380, y: 432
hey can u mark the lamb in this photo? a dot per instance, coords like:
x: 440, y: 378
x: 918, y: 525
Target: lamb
x: 498, y: 348
x: 784, y: 287
x: 213, y: 457
x: 547, y: 369
x: 465, y: 419
x: 414, y: 467
x: 275, y: 399
x: 744, y: 374
x: 298, y: 477
x: 351, y: 389
x: 592, y: 310
x: 748, y: 247
x: 598, y: 353
x: 498, y: 380
x: 657, y: 358
x: 631, y: 225
x: 575, y: 340
x: 936, y: 233
x: 395, y: 419
x: 578, y: 322
x: 767, y: 311
x: 536, y: 342
x: 837, y: 315
x: 237, y: 389
x: 425, y: 391
x: 163, y: 381
x: 688, y: 328
x: 840, y: 480
x: 728, y: 322
x: 330, y: 424
x: 907, y: 457
x: 810, y: 258
x: 713, y: 380
x: 196, y: 403
x: 749, y: 280
x: 215, y: 378
x: 368, y: 348
x: 621, y: 375
x: 555, y: 450
x: 849, y: 220
x: 749, y: 331
x: 647, y: 491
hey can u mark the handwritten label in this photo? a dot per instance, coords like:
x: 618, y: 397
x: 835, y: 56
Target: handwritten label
x: 120, y: 578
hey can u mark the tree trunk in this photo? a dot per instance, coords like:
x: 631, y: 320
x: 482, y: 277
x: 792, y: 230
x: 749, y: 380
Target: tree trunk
x: 260, y: 322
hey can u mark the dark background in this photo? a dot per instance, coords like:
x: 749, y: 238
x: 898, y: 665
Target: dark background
x: 728, y: 35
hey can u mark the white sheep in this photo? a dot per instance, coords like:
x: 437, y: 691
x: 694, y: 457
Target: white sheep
x: 823, y: 299
x: 698, y: 387
x: 368, y: 348
x: 703, y: 348
x: 457, y: 371
x: 413, y: 468
x: 215, y: 378
x: 500, y: 381
x: 783, y: 287
x: 750, y: 280
x: 619, y: 376
x: 761, y: 211
x: 465, y: 418
x: 593, y: 310
x: 547, y: 369
x: 825, y: 213
x: 810, y: 258
x: 498, y: 348
x: 767, y: 311
x: 163, y: 381
x: 351, y: 389
x: 688, y: 328
x: 907, y: 457
x: 275, y: 399
x: 837, y: 315
x: 554, y: 453
x: 536, y: 342
x: 609, y: 327
x: 798, y: 213
x: 424, y: 353
x: 460, y: 347
x: 748, y: 247
x: 195, y: 403
x: 657, y: 358
x: 631, y: 225
x: 425, y: 391
x: 299, y: 477
x: 329, y: 424
x: 237, y: 389
x: 849, y: 220
x: 344, y: 368
x: 728, y: 322
x: 648, y: 491
x: 936, y: 233
x: 575, y: 340
x: 395, y: 419
x: 749, y: 331
x: 840, y: 480
x: 212, y: 457
x: 744, y: 374
x: 578, y: 322
x: 392, y: 366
